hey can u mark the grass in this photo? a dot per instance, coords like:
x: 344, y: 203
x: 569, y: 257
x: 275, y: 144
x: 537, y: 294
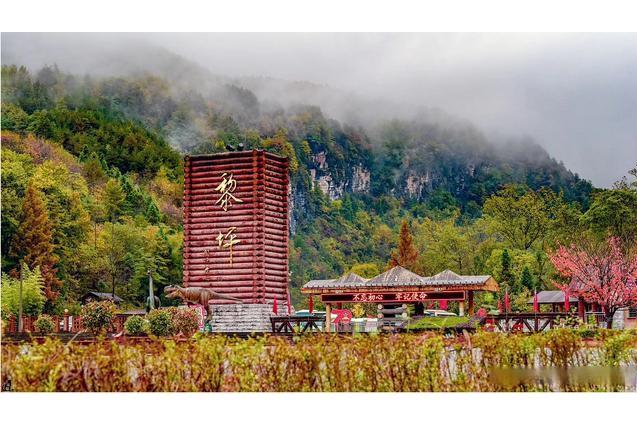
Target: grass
x: 404, y: 362
x: 437, y: 323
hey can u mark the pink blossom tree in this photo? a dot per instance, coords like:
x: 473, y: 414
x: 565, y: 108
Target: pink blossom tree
x: 605, y: 276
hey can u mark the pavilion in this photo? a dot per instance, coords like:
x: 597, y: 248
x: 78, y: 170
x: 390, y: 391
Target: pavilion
x: 556, y: 299
x: 400, y: 286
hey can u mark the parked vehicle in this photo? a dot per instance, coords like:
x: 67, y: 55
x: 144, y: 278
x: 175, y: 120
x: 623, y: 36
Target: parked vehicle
x: 439, y: 313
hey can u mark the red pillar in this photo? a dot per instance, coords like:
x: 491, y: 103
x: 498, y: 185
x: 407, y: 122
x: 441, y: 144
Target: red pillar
x: 581, y: 309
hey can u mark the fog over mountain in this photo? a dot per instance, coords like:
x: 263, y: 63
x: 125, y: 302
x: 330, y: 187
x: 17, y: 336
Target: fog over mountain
x: 574, y: 94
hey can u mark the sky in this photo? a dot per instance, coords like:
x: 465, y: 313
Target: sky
x: 574, y: 94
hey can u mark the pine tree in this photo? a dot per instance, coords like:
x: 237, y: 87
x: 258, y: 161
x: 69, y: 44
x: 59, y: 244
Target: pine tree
x: 347, y: 208
x: 526, y: 280
x: 152, y: 214
x: 405, y: 254
x: 33, y: 242
x: 93, y: 170
x: 134, y: 202
x: 506, y: 276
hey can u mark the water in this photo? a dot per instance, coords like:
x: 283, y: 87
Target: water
x: 558, y: 378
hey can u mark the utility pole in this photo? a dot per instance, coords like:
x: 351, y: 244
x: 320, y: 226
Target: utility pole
x: 20, y: 298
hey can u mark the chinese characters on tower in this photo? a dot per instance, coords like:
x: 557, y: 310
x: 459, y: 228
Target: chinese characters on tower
x: 227, y: 187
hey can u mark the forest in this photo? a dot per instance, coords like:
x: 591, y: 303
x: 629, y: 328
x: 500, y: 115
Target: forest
x: 92, y: 190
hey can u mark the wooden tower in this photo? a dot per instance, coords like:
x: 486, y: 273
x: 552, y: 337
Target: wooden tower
x: 236, y: 224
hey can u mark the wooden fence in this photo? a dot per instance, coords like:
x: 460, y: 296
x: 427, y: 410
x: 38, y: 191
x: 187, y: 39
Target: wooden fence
x: 527, y: 322
x: 296, y: 324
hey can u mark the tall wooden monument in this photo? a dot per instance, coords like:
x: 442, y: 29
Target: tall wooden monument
x: 236, y: 225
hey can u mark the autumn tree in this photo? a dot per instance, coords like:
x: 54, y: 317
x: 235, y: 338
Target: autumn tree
x: 602, y: 275
x: 405, y: 254
x: 93, y: 171
x: 33, y: 242
x: 114, y: 198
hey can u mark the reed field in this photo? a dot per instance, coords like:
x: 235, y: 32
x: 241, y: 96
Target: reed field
x: 404, y: 362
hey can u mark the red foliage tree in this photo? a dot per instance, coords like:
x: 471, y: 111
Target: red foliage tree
x: 606, y: 276
x: 406, y: 254
x: 33, y: 242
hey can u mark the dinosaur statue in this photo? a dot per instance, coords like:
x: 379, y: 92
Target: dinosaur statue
x: 156, y: 303
x: 195, y: 295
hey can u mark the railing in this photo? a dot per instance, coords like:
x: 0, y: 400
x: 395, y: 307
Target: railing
x: 61, y: 324
x: 287, y: 325
x: 527, y: 322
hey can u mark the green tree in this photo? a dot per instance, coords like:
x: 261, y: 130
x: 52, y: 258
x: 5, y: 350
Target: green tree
x: 506, y: 275
x: 614, y: 213
x: 152, y: 214
x: 366, y: 270
x: 113, y: 199
x: 134, y: 201
x: 524, y: 217
x: 526, y: 280
x: 93, y: 170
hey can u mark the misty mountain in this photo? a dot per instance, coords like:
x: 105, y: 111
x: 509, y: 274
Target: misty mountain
x: 353, y: 179
x: 343, y: 144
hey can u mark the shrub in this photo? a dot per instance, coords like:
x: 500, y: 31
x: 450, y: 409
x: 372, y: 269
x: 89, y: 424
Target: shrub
x: 185, y: 321
x: 44, y: 324
x: 97, y: 317
x: 32, y: 293
x: 588, y: 331
x: 135, y: 325
x: 160, y: 322
x: 382, y: 363
x: 617, y: 348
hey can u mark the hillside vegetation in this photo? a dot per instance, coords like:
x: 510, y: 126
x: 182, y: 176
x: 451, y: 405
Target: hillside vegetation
x: 92, y: 176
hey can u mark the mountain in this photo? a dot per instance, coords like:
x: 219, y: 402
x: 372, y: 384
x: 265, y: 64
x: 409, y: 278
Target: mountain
x: 357, y: 171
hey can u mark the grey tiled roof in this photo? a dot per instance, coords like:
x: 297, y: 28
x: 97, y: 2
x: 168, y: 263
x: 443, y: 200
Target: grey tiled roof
x: 450, y: 278
x: 104, y: 296
x: 397, y: 276
x: 551, y: 297
x: 348, y: 280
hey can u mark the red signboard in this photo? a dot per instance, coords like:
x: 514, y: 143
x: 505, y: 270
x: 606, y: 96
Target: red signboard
x: 394, y: 297
x: 236, y: 224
